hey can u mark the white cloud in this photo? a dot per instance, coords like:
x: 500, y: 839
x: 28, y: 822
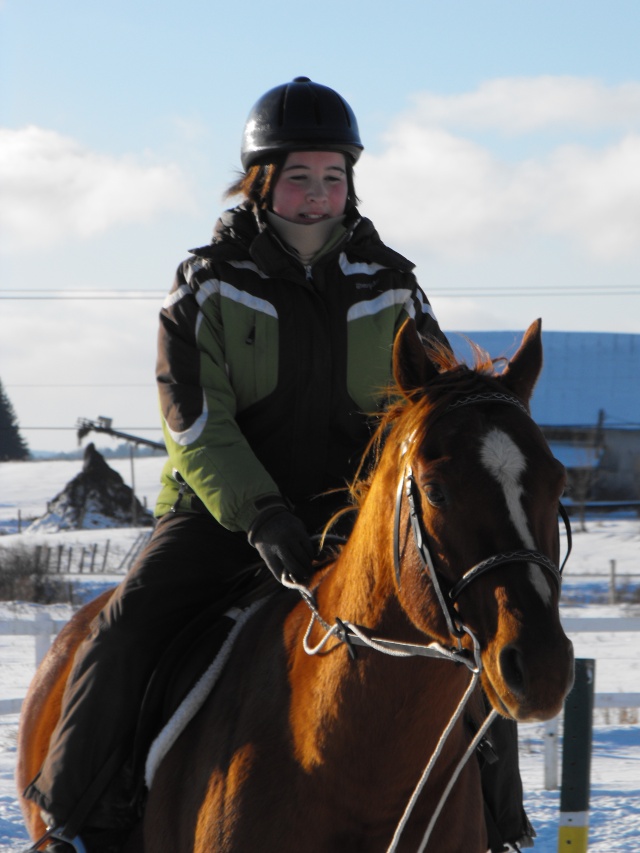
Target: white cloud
x: 594, y: 196
x: 430, y: 186
x: 53, y: 188
x: 521, y: 105
x: 452, y: 195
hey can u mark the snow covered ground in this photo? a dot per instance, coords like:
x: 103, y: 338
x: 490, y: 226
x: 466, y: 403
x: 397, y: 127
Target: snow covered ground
x: 615, y: 769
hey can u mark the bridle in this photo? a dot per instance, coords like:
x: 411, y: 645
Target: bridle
x: 407, y: 488
x: 349, y: 634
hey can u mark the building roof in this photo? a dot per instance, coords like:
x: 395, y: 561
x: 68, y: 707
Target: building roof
x: 575, y: 456
x: 583, y: 373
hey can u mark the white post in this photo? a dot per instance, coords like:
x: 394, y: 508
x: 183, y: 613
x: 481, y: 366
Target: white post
x: 44, y: 631
x: 551, y: 755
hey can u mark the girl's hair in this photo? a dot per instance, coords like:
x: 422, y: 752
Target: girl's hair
x: 257, y: 183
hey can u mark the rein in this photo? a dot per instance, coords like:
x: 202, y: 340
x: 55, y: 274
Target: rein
x: 349, y: 634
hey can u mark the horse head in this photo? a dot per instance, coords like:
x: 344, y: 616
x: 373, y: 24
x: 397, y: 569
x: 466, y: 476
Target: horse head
x: 480, y: 559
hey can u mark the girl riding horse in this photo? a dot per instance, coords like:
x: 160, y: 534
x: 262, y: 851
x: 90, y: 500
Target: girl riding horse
x: 274, y: 342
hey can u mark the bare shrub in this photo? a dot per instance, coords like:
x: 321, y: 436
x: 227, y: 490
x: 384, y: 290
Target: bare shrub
x: 24, y: 577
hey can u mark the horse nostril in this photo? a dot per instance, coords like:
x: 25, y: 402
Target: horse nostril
x: 513, y: 670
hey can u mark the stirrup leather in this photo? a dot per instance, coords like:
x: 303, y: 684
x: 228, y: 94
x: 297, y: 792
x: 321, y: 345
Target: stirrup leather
x: 76, y: 842
x: 57, y: 834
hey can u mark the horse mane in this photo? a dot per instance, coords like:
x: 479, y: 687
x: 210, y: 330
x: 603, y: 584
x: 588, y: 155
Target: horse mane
x: 411, y: 414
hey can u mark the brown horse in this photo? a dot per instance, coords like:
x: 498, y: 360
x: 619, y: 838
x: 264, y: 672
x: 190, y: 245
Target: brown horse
x: 309, y: 742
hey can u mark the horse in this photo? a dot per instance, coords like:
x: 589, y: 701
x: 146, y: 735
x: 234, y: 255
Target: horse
x: 347, y: 709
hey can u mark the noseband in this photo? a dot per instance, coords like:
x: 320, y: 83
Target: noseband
x: 407, y: 487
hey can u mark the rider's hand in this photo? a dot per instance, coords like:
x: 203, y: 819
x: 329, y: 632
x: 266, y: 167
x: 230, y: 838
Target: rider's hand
x: 284, y: 544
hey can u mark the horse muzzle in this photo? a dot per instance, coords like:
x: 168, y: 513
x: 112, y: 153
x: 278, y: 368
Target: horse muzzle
x: 530, y: 687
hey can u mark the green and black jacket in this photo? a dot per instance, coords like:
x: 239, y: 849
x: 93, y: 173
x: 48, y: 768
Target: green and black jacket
x: 267, y: 369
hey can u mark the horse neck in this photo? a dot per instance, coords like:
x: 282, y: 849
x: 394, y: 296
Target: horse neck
x: 395, y: 697
x: 388, y: 712
x: 360, y: 585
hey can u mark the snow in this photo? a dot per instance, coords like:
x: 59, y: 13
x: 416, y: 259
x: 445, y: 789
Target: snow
x: 615, y: 766
x: 28, y: 487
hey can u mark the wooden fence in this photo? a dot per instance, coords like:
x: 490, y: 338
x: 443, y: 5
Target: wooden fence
x: 86, y: 559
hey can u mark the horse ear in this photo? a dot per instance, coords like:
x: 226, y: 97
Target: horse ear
x: 521, y: 374
x: 412, y: 368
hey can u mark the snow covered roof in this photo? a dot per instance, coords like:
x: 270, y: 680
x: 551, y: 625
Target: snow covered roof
x: 583, y: 373
x: 575, y: 456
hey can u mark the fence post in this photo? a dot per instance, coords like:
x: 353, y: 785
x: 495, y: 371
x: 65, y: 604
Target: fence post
x: 576, y: 761
x: 44, y: 630
x: 551, y: 755
x: 106, y: 554
x: 612, y: 581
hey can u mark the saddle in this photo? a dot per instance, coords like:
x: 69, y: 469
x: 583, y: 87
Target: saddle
x: 120, y: 803
x: 187, y: 658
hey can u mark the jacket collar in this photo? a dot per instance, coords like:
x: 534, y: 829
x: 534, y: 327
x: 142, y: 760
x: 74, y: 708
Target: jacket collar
x: 242, y: 233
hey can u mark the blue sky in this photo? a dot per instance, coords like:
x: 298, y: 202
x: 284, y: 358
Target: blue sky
x: 502, y: 156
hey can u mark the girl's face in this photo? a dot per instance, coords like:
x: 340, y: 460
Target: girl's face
x: 311, y: 186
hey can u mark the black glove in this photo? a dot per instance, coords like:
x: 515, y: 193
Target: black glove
x: 284, y: 544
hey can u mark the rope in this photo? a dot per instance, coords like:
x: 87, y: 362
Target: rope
x: 368, y: 641
x: 341, y: 630
x: 314, y: 650
x: 470, y: 750
x: 430, y: 765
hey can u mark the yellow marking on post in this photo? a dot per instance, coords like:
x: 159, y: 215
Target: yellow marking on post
x: 573, y: 834
x: 573, y: 838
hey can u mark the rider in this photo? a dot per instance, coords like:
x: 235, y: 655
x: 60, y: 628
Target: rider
x: 274, y: 340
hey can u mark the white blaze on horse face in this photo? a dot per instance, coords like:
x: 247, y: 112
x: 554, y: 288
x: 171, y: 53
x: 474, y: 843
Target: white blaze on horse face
x: 504, y: 460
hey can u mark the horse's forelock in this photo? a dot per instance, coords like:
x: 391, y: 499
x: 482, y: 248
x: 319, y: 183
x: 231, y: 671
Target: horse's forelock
x: 446, y: 361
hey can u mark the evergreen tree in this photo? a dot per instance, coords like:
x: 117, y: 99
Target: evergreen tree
x: 12, y: 445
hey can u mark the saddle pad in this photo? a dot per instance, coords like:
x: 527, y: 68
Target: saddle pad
x: 194, y: 700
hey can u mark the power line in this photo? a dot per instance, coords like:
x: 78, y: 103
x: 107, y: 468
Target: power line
x: 459, y: 292
x: 73, y: 428
x: 86, y: 296
x: 149, y: 385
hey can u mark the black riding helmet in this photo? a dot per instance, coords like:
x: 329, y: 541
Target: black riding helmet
x: 299, y: 116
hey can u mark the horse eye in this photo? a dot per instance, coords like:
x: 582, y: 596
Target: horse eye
x: 434, y: 494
